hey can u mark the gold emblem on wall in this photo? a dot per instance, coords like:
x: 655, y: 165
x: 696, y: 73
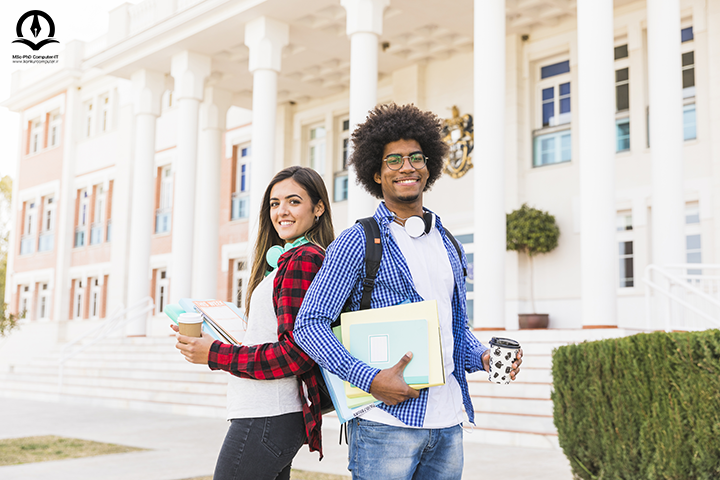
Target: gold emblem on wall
x: 458, y: 134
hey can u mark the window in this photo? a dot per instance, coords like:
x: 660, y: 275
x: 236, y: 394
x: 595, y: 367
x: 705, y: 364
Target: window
x: 621, y: 52
x: 43, y: 309
x: 164, y: 212
x: 161, y: 291
x: 240, y: 279
x: 82, y: 218
x: 688, y: 74
x: 626, y: 264
x: 98, y: 216
x: 686, y: 34
x: 552, y: 148
x: 693, y: 240
x: 622, y: 134
x: 95, y: 292
x: 624, y: 221
x: 36, y: 136
x: 553, y: 139
x: 88, y: 119
x: 340, y: 186
x: 316, y: 149
x: 25, y: 299
x: 689, y: 123
x: 622, y: 89
x: 45, y: 243
x: 241, y: 196
x: 28, y: 232
x: 105, y: 113
x: 54, y: 130
x: 78, y: 299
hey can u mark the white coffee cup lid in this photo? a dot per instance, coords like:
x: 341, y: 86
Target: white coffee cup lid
x: 190, y: 318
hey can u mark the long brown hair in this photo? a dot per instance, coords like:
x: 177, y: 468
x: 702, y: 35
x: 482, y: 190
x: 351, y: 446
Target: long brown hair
x: 321, y: 233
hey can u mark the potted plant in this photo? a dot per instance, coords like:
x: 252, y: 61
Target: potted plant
x: 532, y: 231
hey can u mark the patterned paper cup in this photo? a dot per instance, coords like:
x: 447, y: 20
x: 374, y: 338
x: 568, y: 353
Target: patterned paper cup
x: 503, y: 352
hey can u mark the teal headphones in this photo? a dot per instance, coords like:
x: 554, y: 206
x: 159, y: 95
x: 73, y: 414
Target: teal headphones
x: 275, y: 252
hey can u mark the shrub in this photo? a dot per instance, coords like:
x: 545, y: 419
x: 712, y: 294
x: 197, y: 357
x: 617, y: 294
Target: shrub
x: 640, y: 407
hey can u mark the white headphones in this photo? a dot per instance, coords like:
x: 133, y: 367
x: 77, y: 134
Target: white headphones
x: 416, y: 225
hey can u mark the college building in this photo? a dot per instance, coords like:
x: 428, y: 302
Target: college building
x: 144, y: 153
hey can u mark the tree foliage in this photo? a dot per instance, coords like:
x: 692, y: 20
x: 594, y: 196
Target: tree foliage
x: 8, y: 321
x: 531, y: 231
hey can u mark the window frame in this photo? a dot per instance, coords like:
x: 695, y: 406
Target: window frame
x: 319, y: 145
x: 627, y: 234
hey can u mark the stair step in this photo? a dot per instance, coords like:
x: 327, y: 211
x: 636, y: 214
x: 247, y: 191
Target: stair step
x: 511, y: 438
x: 536, y: 406
x: 517, y: 422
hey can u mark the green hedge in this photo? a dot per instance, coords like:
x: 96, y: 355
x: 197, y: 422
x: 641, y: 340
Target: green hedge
x: 642, y: 407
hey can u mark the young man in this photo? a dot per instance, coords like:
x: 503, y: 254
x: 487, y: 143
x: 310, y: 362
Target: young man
x: 398, y: 154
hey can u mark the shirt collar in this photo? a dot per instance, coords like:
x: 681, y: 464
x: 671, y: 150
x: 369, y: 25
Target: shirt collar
x: 384, y: 216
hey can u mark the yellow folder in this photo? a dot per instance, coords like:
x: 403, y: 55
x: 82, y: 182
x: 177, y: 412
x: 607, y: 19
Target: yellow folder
x: 405, y: 312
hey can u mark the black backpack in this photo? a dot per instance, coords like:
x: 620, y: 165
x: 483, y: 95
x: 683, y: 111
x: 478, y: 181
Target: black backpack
x: 373, y: 255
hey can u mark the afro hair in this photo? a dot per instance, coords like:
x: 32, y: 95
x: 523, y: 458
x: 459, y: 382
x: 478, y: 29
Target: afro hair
x: 390, y: 123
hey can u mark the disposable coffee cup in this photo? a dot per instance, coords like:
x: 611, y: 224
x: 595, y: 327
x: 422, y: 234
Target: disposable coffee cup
x: 503, y: 352
x: 190, y: 324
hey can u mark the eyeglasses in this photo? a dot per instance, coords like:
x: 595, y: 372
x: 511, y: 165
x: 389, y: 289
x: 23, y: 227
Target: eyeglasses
x: 395, y: 161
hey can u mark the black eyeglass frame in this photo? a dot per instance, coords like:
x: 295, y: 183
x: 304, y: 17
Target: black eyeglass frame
x: 409, y: 157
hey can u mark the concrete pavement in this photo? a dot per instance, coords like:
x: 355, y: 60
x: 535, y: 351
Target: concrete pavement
x: 180, y: 447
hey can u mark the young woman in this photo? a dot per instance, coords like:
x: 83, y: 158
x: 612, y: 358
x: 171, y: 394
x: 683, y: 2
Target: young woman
x: 273, y: 396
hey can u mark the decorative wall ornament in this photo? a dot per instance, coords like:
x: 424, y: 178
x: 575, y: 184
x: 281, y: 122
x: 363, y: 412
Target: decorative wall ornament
x: 458, y: 134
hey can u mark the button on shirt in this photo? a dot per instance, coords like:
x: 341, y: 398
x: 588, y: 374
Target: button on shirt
x: 339, y: 283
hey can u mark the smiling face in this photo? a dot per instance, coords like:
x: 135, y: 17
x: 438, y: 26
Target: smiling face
x: 291, y: 210
x: 402, y: 189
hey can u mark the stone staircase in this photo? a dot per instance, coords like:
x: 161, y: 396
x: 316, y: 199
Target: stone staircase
x: 521, y: 413
x: 150, y: 374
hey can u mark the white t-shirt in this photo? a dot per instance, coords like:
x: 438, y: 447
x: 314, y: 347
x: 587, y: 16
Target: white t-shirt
x: 432, y: 275
x: 250, y: 398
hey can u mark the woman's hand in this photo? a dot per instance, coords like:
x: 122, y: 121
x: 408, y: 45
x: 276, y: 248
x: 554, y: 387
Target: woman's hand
x: 196, y: 350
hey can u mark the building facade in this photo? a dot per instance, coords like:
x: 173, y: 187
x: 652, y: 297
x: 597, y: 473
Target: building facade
x: 144, y: 153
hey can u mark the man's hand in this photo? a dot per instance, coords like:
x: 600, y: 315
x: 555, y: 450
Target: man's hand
x: 196, y: 350
x: 389, y: 386
x: 515, y: 366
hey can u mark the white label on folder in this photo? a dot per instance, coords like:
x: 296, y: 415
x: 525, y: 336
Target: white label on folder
x: 378, y: 348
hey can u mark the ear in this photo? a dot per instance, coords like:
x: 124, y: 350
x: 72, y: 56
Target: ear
x: 319, y: 208
x: 377, y: 178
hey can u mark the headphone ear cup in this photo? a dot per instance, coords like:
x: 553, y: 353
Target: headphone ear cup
x: 429, y: 219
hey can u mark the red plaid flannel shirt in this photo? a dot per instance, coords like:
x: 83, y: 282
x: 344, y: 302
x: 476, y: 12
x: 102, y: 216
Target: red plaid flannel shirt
x: 296, y: 269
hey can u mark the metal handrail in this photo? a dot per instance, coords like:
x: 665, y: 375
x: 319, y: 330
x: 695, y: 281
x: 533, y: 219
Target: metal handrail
x: 681, y: 281
x: 119, y: 318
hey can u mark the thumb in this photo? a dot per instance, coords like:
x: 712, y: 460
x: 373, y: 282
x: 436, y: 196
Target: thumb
x: 403, y: 361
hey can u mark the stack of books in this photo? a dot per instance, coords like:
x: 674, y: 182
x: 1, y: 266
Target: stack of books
x: 222, y: 320
x: 380, y: 337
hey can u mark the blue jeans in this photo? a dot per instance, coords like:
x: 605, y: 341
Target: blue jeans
x: 384, y: 452
x: 260, y: 448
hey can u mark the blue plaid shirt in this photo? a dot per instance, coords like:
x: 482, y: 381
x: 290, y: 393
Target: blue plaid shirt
x: 340, y: 280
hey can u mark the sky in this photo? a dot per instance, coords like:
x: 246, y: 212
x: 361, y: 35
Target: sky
x: 83, y: 20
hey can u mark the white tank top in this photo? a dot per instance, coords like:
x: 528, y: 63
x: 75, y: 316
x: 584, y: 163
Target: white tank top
x: 248, y: 398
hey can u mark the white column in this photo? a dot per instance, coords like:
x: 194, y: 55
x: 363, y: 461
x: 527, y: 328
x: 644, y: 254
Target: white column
x: 596, y: 132
x: 489, y: 176
x: 213, y: 112
x: 265, y: 38
x: 148, y: 87
x: 189, y: 71
x: 666, y: 132
x: 364, y: 26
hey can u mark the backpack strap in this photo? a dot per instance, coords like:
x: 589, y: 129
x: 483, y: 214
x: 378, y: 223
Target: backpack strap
x: 457, y: 247
x: 373, y: 255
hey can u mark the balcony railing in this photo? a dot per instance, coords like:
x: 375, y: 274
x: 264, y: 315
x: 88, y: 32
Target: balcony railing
x: 240, y: 206
x: 46, y: 242
x: 162, y: 220
x: 26, y: 244
x: 95, y: 233
x: 80, y: 236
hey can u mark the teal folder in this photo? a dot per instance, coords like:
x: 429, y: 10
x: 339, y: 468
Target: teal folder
x: 382, y: 345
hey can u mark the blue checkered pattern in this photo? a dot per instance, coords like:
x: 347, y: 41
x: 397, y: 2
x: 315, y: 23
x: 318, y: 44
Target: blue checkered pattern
x: 340, y: 280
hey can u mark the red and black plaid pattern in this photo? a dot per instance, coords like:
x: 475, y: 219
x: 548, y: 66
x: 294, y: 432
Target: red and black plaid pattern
x: 296, y: 270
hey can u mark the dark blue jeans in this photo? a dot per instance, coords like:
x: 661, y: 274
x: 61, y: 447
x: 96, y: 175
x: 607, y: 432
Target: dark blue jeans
x: 260, y: 448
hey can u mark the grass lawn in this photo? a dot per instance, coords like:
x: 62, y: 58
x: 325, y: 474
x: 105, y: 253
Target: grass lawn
x: 297, y: 475
x: 14, y: 451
